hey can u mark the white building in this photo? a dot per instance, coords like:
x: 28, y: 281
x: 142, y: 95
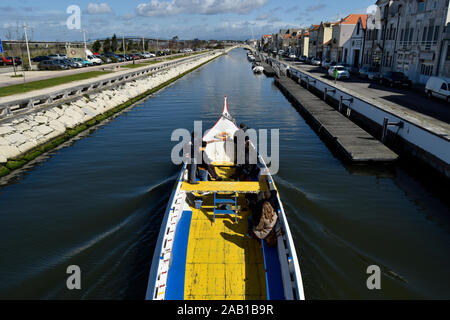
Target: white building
x: 353, y: 48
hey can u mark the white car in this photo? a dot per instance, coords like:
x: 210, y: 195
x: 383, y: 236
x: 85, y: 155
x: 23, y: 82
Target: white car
x: 316, y: 62
x: 438, y: 87
x: 292, y: 56
x: 94, y: 59
x: 338, y: 72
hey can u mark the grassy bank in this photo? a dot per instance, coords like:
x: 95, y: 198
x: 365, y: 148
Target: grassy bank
x: 42, y: 84
x: 20, y: 161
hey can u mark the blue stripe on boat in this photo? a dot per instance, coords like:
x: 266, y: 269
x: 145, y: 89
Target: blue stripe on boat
x: 274, y: 281
x: 175, y: 279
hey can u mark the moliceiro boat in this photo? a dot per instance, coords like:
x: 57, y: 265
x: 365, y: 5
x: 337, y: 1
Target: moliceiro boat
x: 203, y: 251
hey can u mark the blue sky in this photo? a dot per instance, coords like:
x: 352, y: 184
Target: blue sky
x: 189, y: 19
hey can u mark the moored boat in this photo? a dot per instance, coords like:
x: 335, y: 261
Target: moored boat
x: 258, y: 69
x: 202, y: 251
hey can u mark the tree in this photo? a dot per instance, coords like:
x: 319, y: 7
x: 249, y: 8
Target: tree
x: 107, y: 45
x: 96, y: 46
x: 114, y: 43
x: 130, y: 45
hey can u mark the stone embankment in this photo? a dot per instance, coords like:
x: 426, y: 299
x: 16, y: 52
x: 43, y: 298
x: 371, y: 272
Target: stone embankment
x: 22, y: 134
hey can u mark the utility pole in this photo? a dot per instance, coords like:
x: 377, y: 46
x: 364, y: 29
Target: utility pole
x: 26, y: 41
x: 123, y: 44
x: 84, y: 40
x: 143, y: 45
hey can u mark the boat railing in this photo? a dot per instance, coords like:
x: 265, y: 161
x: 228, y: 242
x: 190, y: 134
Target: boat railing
x: 290, y: 269
x: 162, y: 256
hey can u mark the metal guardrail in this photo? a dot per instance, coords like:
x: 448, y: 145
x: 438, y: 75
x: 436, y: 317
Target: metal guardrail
x: 59, y: 97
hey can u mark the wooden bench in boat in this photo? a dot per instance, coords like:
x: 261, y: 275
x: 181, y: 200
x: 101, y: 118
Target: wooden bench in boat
x: 226, y: 186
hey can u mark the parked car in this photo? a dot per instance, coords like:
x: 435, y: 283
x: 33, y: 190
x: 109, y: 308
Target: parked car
x: 303, y: 58
x: 338, y: 72
x: 370, y: 73
x: 84, y: 62
x: 128, y: 57
x: 350, y: 68
x: 393, y: 79
x: 104, y: 59
x: 114, y: 57
x: 316, y: 62
x: 71, y: 63
x: 326, y: 63
x: 40, y: 58
x: 292, y: 56
x: 438, y: 87
x: 17, y: 60
x: 94, y: 59
x: 53, y: 64
x: 5, y: 62
x: 57, y: 56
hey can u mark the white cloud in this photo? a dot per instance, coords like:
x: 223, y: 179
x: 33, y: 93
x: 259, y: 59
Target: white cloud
x: 98, y: 8
x: 209, y: 7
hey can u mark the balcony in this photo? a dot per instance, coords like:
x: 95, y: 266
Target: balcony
x: 426, y: 44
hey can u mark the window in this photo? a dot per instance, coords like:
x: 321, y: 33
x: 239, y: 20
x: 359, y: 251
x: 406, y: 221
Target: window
x: 447, y: 58
x: 436, y: 33
x: 444, y: 86
x: 430, y: 30
x: 401, y: 34
x: 421, y: 6
x: 424, y: 34
x: 411, y: 32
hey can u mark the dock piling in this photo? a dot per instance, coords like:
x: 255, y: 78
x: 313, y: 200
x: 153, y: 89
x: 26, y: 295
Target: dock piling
x: 341, y: 100
x: 386, y: 124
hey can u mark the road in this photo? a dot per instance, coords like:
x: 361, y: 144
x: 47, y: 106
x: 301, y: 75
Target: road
x: 414, y: 99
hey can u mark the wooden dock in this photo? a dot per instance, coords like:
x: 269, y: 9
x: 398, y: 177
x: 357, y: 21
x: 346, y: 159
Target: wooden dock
x: 353, y: 142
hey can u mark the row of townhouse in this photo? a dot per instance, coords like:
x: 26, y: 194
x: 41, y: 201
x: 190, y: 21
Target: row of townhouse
x: 410, y: 36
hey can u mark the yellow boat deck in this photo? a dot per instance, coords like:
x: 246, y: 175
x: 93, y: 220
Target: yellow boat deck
x: 222, y: 263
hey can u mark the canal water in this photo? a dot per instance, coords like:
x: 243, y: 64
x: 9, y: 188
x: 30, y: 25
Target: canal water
x: 99, y: 202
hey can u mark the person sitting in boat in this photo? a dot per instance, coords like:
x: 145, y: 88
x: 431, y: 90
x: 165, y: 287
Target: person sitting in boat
x: 255, y: 204
x: 206, y: 167
x: 266, y: 223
